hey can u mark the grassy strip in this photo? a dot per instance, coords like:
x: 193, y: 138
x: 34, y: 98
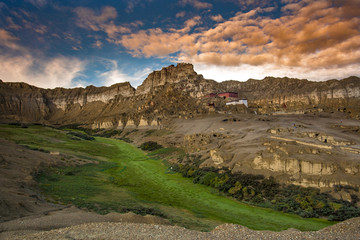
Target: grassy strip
x: 131, y: 181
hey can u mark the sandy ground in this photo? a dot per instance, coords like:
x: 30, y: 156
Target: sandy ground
x: 67, y: 217
x: 114, y: 230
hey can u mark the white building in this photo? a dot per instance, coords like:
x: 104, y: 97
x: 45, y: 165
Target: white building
x: 242, y: 101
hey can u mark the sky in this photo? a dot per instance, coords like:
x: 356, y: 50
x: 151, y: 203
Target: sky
x: 49, y: 43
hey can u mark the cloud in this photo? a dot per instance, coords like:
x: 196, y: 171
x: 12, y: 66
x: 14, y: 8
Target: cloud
x: 116, y: 75
x: 291, y: 7
x: 189, y: 24
x: 155, y: 42
x: 196, y: 4
x: 9, y: 41
x: 217, y: 18
x: 97, y: 44
x: 42, y: 29
x: 18, y: 64
x: 27, y: 21
x: 131, y: 4
x: 11, y: 23
x: 55, y: 72
x: 38, y: 3
x: 104, y: 21
x: 250, y: 4
x: 87, y: 18
x: 245, y: 72
x: 180, y: 14
x: 113, y: 76
x: 317, y: 35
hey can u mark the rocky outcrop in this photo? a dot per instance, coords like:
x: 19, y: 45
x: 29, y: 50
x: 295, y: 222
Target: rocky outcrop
x: 168, y: 75
x: 63, y: 97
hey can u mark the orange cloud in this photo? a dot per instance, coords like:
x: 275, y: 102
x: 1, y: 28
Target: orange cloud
x: 217, y: 18
x: 310, y: 34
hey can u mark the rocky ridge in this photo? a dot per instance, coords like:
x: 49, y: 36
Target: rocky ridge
x: 172, y: 91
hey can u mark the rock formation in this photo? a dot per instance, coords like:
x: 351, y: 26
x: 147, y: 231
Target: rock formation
x: 172, y: 91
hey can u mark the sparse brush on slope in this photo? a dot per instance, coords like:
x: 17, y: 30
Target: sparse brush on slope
x: 266, y: 192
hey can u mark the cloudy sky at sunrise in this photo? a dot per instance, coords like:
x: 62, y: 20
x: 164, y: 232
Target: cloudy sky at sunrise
x: 49, y: 43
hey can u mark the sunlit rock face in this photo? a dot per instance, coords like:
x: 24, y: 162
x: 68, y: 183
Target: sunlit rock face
x: 168, y: 75
x: 64, y: 97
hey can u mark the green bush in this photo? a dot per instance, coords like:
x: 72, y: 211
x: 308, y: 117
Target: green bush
x: 81, y: 135
x: 150, y: 146
x: 345, y: 212
x: 109, y: 133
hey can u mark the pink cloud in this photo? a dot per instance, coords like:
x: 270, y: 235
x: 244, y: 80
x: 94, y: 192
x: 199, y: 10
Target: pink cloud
x: 309, y: 35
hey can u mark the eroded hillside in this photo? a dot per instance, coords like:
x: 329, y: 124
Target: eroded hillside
x: 172, y: 92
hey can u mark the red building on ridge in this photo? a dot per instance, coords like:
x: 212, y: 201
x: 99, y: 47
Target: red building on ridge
x: 211, y: 95
x: 228, y: 94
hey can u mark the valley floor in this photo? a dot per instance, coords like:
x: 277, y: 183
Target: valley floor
x: 141, y: 181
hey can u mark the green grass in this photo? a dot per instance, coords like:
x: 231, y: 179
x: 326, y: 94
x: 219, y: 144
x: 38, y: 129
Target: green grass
x: 129, y: 180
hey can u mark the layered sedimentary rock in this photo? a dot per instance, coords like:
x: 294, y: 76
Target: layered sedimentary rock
x: 168, y: 75
x: 172, y: 91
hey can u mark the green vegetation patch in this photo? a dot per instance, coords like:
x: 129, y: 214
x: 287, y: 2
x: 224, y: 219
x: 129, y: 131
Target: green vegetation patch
x: 80, y: 136
x: 150, y: 146
x: 266, y: 192
x: 128, y: 180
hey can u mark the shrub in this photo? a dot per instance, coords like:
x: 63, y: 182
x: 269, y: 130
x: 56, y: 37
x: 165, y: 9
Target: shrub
x: 109, y: 133
x: 256, y: 189
x: 208, y: 178
x: 345, y: 212
x: 81, y: 135
x: 150, y: 146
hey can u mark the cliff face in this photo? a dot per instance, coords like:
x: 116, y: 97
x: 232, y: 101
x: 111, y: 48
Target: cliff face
x: 172, y: 91
x: 284, y: 94
x: 26, y: 103
x: 168, y: 75
x: 63, y: 97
